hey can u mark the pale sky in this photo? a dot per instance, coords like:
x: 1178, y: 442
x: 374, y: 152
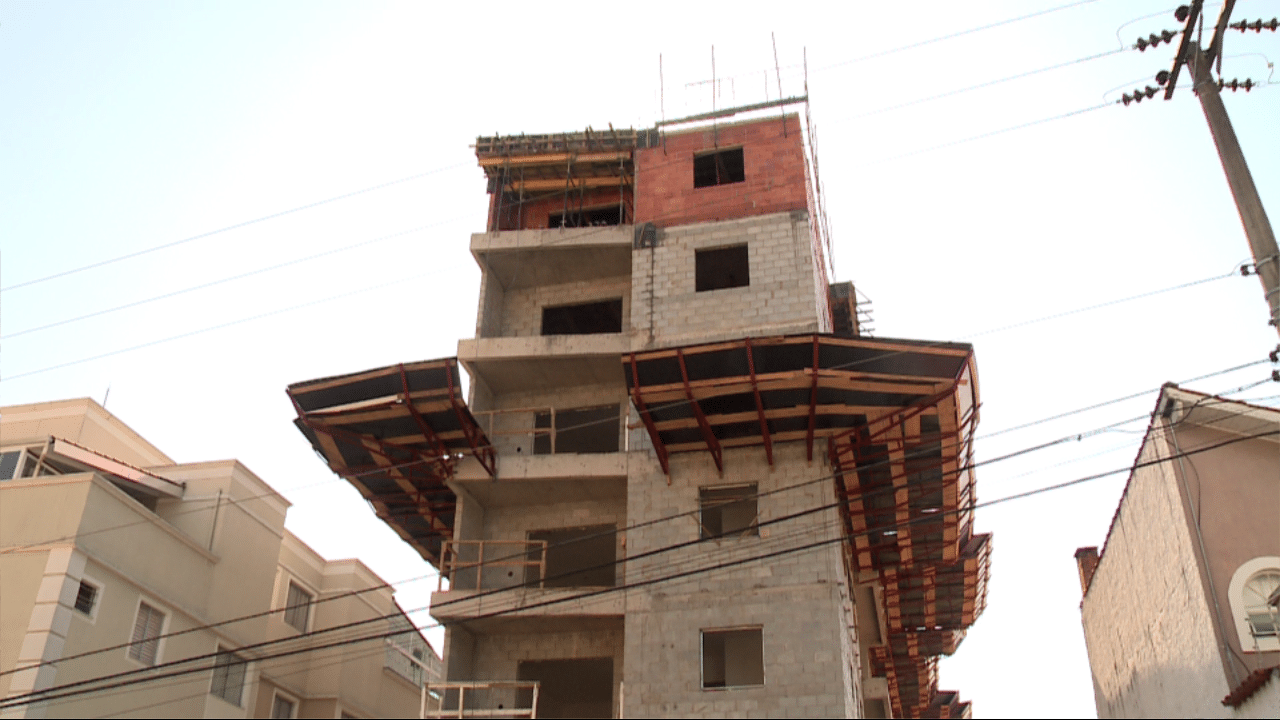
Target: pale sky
x: 125, y: 126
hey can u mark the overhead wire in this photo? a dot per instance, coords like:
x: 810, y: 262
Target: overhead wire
x: 622, y: 561
x: 130, y: 677
x: 950, y: 36
x: 228, y: 228
x: 224, y: 280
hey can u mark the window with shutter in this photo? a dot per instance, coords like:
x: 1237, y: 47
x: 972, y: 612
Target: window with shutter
x: 297, y: 607
x: 145, y: 643
x: 229, y: 672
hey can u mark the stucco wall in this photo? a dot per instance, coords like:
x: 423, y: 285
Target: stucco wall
x: 1147, y: 621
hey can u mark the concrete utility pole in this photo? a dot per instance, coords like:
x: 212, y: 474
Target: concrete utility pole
x: 1262, y: 239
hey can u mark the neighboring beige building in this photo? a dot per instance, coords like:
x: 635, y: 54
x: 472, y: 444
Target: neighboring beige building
x: 107, y: 543
x: 684, y: 483
x: 1180, y: 609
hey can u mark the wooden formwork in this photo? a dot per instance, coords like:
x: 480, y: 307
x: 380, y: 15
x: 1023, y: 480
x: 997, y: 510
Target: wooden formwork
x: 396, y: 434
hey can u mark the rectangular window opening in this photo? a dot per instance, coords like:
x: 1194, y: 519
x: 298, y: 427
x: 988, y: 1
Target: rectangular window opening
x: 228, y: 677
x: 723, y: 167
x: 578, y: 430
x: 719, y: 268
x: 86, y: 596
x: 728, y: 512
x: 297, y: 607
x: 144, y: 646
x: 576, y: 557
x: 600, y: 316
x: 732, y: 658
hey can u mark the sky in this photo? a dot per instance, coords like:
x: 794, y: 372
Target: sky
x: 305, y: 168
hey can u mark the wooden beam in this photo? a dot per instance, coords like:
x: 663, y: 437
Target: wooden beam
x: 572, y: 184
x: 555, y: 159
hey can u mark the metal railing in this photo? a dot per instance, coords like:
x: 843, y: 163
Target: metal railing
x: 463, y: 563
x: 481, y: 699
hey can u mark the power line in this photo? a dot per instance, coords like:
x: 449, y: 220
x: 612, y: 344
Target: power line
x: 970, y: 31
x: 992, y: 133
x: 68, y: 690
x: 240, y: 321
x: 989, y: 83
x: 622, y: 561
x: 246, y: 223
x: 241, y: 276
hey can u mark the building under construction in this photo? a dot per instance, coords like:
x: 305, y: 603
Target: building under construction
x: 683, y: 481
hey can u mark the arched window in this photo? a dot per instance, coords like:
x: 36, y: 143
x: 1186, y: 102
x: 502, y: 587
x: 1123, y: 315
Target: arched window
x: 1255, y: 604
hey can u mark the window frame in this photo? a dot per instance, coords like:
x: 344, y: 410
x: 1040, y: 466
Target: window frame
x: 225, y: 667
x: 92, y: 615
x: 158, y: 638
x: 277, y: 694
x: 290, y: 583
x: 702, y: 659
x: 1249, y: 642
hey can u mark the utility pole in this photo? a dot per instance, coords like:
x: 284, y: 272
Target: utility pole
x: 1257, y: 229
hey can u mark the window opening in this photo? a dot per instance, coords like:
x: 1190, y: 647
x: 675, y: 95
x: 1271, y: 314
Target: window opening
x: 18, y: 464
x: 297, y: 607
x: 1261, y: 596
x: 578, y: 430
x: 144, y: 646
x: 576, y: 557
x: 601, y: 316
x: 282, y: 707
x: 720, y: 268
x: 728, y: 511
x: 228, y: 677
x: 602, y: 216
x: 732, y: 658
x: 577, y: 688
x: 86, y: 596
x: 9, y: 464
x: 724, y: 167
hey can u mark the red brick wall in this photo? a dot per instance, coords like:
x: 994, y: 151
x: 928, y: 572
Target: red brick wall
x: 775, y: 175
x: 535, y: 213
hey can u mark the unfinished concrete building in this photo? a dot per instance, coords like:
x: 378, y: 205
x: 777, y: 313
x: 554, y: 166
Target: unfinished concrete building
x: 683, y: 482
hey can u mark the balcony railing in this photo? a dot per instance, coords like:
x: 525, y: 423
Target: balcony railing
x: 481, y: 699
x: 492, y: 564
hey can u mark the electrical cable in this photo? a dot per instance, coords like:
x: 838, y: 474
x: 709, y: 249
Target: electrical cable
x: 961, y: 33
x: 220, y: 326
x: 987, y: 84
x: 241, y: 276
x: 616, y: 562
x: 993, y: 133
x: 68, y: 690
x: 236, y: 226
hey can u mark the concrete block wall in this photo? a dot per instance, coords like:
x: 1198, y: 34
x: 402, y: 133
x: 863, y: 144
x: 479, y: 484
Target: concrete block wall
x: 1148, y: 624
x: 667, y: 310
x: 796, y: 599
x: 512, y: 430
x: 773, y: 162
x: 522, y: 307
x: 515, y: 522
x: 497, y: 656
